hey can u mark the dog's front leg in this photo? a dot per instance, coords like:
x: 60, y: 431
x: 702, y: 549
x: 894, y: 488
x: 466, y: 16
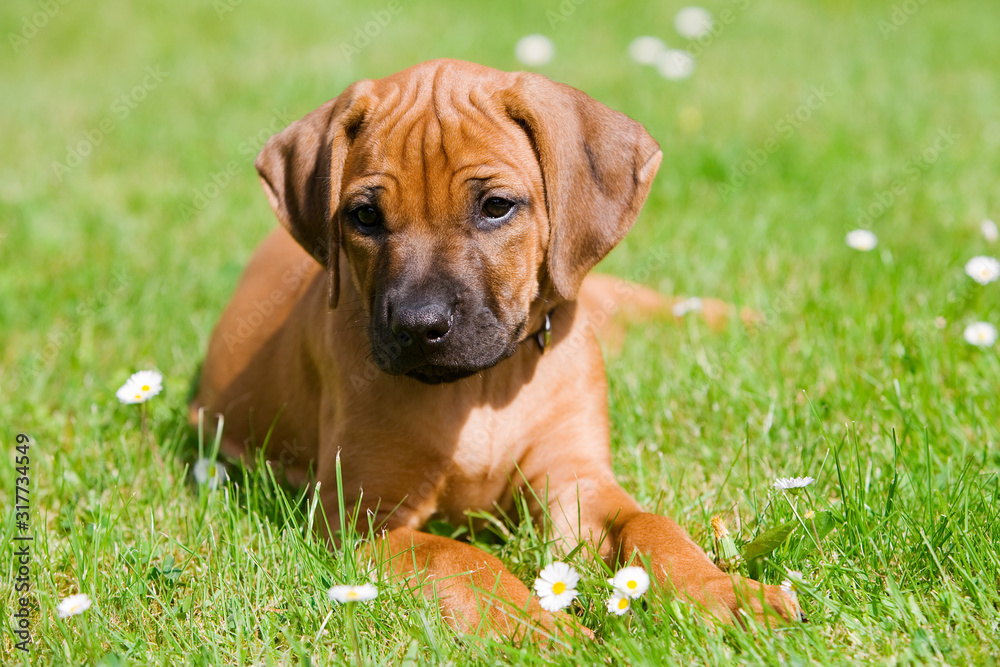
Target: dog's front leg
x: 604, y: 513
x: 475, y: 592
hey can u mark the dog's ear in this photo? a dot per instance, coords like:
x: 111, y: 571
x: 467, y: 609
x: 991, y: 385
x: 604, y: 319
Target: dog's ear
x: 597, y: 166
x: 301, y: 169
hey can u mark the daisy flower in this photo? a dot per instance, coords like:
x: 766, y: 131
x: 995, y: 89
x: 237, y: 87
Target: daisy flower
x: 618, y: 603
x: 630, y: 581
x: 535, y: 50
x: 74, y: 605
x: 792, y: 483
x: 345, y: 593
x: 210, y: 473
x: 644, y: 50
x: 556, y: 586
x: 980, y: 334
x: 140, y: 387
x: 685, y: 306
x: 861, y: 239
x: 989, y: 230
x: 693, y: 22
x: 983, y: 270
x: 790, y: 586
x: 675, y: 64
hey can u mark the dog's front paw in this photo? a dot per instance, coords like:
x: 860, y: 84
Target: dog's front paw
x: 473, y: 612
x: 735, y: 598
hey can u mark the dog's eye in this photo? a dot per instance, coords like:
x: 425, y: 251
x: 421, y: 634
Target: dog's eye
x: 497, y: 207
x: 366, y: 218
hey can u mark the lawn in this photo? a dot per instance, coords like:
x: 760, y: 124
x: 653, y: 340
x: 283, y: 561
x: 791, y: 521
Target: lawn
x: 129, y: 205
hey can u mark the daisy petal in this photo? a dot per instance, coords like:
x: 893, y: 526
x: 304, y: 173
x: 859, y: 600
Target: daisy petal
x: 347, y: 593
x: 73, y: 605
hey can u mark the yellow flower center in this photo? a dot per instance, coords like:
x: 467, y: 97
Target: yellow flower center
x: 145, y: 387
x: 211, y: 471
x: 623, y: 603
x: 632, y: 584
x: 352, y: 594
x: 138, y: 395
x: 558, y: 587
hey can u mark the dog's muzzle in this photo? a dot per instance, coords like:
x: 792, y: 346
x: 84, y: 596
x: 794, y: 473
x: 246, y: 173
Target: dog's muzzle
x: 436, y: 337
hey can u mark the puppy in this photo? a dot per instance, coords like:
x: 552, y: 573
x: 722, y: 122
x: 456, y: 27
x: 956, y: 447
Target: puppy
x: 423, y: 315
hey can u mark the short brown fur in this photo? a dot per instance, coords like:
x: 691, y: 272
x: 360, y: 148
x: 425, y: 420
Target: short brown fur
x: 484, y: 413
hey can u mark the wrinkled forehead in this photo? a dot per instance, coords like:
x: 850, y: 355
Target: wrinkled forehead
x: 440, y: 132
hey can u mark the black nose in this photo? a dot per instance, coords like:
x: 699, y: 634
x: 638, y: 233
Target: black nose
x: 425, y: 324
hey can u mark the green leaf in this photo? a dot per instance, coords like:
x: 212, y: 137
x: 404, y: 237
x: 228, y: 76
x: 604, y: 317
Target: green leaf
x: 821, y: 524
x: 816, y: 528
x: 444, y: 529
x: 765, y: 543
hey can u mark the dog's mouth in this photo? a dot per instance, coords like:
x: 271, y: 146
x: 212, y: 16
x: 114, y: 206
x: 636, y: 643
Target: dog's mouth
x: 440, y: 374
x: 448, y: 367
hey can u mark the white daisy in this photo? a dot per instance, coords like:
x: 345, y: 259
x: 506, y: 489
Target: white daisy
x: 790, y: 483
x: 210, y: 473
x: 74, y: 605
x: 693, y: 22
x: 630, y: 581
x: 675, y: 64
x: 345, y: 593
x: 618, y: 603
x: 790, y: 586
x: 556, y: 586
x: 982, y: 269
x: 535, y: 50
x: 989, y: 230
x: 980, y: 334
x: 862, y: 239
x: 644, y: 50
x: 140, y: 387
x: 685, y: 306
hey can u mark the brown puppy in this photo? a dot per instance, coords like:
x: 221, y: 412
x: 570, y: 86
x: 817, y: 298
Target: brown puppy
x: 434, y: 222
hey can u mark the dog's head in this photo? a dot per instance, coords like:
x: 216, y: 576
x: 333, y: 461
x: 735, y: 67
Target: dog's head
x: 467, y: 201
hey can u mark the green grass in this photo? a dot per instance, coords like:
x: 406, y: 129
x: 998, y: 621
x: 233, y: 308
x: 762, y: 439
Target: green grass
x: 126, y: 261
